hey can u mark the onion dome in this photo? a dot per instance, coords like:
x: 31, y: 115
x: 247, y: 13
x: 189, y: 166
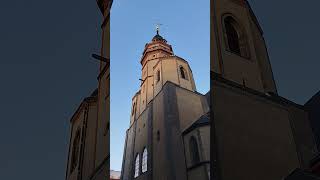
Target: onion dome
x: 157, y: 37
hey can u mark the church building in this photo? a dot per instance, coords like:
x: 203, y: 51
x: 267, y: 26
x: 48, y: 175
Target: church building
x: 255, y: 134
x: 88, y: 156
x: 169, y: 133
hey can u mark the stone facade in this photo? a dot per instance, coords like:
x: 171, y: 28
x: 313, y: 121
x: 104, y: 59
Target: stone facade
x: 167, y: 112
x: 256, y: 134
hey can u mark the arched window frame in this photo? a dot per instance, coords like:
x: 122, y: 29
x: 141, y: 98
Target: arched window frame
x: 194, y: 150
x: 244, y: 49
x: 183, y: 73
x: 144, y: 166
x: 137, y: 166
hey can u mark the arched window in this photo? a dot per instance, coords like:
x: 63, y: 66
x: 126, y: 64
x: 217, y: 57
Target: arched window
x: 136, y: 168
x: 232, y: 36
x: 158, y: 76
x: 236, y: 38
x: 183, y: 73
x: 75, y: 151
x: 145, y: 160
x: 194, y: 152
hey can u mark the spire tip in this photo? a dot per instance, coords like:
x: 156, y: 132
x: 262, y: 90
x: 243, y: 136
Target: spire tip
x: 158, y: 28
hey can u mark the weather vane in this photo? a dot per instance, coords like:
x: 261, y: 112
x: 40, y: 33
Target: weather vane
x: 158, y: 27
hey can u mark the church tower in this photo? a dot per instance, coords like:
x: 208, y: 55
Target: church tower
x: 238, y: 48
x: 169, y: 131
x: 159, y: 65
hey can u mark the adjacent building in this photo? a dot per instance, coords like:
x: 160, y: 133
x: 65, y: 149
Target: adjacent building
x: 88, y: 157
x: 169, y: 133
x: 256, y: 134
x: 114, y: 175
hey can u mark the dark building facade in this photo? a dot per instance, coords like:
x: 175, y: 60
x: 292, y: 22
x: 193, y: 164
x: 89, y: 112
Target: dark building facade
x: 168, y: 137
x: 256, y: 134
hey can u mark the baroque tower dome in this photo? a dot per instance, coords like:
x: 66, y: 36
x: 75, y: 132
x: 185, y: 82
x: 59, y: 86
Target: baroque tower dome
x: 157, y: 37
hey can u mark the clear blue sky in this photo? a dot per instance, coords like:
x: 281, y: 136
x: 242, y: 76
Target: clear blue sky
x: 185, y: 26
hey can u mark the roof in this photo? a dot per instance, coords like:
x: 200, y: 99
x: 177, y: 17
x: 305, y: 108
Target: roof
x: 269, y: 96
x: 157, y: 37
x: 92, y: 98
x: 314, y: 99
x: 94, y: 93
x: 202, y: 121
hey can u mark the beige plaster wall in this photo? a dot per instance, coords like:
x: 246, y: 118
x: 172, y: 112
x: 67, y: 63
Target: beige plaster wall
x: 190, y: 106
x: 169, y: 69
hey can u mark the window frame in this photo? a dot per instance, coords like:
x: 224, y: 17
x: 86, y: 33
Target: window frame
x: 144, y: 164
x: 137, y: 166
x: 232, y: 36
x: 194, y: 150
x: 183, y: 73
x: 243, y: 40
